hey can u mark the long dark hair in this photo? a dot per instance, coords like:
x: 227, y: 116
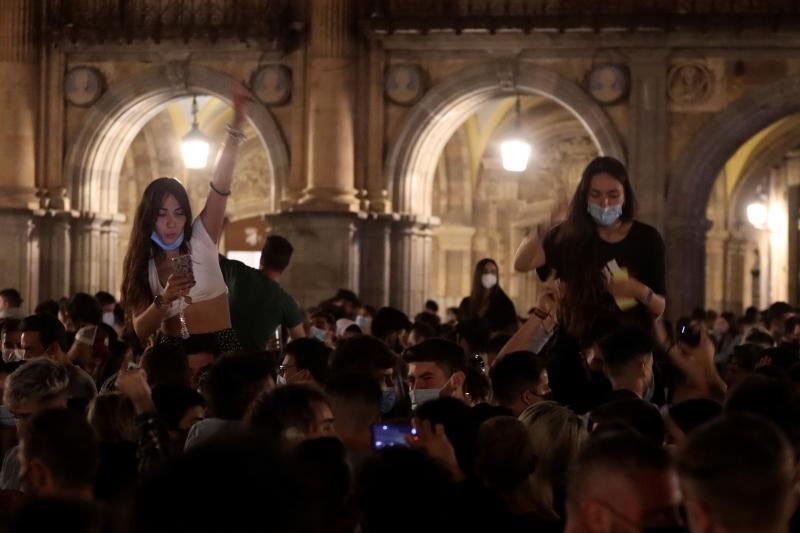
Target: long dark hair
x: 136, y: 293
x: 478, y: 290
x: 583, y: 271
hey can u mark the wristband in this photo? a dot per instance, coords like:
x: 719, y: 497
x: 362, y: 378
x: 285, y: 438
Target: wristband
x: 211, y: 184
x: 160, y: 303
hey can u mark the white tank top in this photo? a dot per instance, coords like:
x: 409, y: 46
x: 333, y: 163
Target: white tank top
x: 209, y: 282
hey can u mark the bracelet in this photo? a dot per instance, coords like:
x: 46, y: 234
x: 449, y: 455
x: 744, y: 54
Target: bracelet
x: 541, y: 314
x: 160, y: 303
x: 211, y: 184
x: 236, y: 133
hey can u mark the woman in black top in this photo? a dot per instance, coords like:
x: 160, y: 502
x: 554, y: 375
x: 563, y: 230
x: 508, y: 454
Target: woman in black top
x: 610, y: 266
x: 488, y: 301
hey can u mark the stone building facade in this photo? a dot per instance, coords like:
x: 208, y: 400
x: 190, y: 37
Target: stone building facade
x: 372, y: 140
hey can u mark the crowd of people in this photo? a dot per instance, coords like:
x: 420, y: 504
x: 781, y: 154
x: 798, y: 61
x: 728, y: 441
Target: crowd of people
x: 207, y: 400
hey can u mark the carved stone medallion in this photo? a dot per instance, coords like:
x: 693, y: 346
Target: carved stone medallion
x: 272, y: 84
x: 608, y: 84
x: 690, y: 84
x: 404, y: 84
x: 83, y: 86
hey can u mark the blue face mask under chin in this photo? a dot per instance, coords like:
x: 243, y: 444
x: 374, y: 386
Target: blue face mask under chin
x: 607, y: 216
x: 166, y: 247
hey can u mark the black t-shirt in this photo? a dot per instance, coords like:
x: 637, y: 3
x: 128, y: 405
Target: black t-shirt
x: 500, y: 315
x: 641, y: 253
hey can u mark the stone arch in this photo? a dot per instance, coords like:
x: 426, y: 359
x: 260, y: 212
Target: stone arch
x: 693, y: 178
x: 769, y: 152
x: 94, y: 159
x: 412, y: 160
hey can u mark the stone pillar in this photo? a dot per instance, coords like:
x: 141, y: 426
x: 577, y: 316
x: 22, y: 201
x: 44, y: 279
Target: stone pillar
x: 19, y: 262
x: 377, y: 193
x: 376, y: 255
x: 326, y: 253
x: 649, y: 136
x: 778, y: 235
x: 86, y: 255
x: 792, y: 165
x: 735, y: 256
x: 685, y: 242
x: 330, y: 93
x: 56, y: 251
x: 19, y: 89
x: 411, y: 263
x: 715, y: 267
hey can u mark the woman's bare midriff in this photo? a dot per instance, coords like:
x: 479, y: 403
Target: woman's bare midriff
x: 203, y: 317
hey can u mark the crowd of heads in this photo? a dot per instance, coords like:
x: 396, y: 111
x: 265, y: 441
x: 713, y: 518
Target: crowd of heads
x: 386, y: 422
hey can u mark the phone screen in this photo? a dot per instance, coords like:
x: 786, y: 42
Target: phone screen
x: 390, y: 435
x: 182, y: 264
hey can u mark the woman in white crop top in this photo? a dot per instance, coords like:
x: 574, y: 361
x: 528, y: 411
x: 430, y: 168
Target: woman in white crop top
x: 159, y: 300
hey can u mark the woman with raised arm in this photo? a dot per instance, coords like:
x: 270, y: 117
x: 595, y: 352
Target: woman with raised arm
x: 172, y: 283
x: 610, y: 267
x: 609, y: 263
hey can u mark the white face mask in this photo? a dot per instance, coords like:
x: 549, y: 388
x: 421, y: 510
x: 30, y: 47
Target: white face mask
x: 420, y: 396
x: 364, y: 322
x: 281, y: 381
x: 488, y: 281
x: 108, y: 318
x: 13, y: 354
x: 319, y: 334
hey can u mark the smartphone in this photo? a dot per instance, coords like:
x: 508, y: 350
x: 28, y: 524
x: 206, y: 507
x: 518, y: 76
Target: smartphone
x: 687, y: 333
x: 388, y: 435
x: 182, y: 264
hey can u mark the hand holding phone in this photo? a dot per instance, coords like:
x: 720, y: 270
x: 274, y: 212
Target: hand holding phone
x: 183, y: 264
x: 386, y: 435
x: 688, y: 333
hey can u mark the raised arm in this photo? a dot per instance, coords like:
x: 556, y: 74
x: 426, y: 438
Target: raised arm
x: 530, y: 254
x: 213, y: 214
x: 538, y: 329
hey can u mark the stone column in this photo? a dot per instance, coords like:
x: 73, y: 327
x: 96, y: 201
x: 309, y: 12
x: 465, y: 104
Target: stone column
x: 330, y: 93
x: 326, y: 253
x: 376, y: 254
x: 685, y: 242
x: 86, y: 255
x: 648, y: 136
x: 715, y: 268
x: 56, y: 250
x: 19, y: 261
x: 792, y: 165
x: 19, y: 89
x: 735, y: 256
x: 411, y: 263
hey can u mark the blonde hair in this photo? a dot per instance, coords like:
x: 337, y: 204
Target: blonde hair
x: 113, y: 418
x: 557, y: 434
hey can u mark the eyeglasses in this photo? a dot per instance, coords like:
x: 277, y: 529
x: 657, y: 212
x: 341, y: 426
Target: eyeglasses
x: 282, y: 369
